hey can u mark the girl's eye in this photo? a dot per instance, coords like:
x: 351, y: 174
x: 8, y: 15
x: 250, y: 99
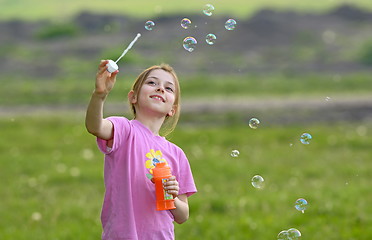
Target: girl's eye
x: 170, y: 89
x: 151, y: 82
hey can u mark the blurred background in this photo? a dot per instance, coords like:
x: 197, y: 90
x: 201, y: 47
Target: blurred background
x: 296, y: 66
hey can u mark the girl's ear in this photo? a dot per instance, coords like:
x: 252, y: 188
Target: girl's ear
x: 132, y: 98
x: 173, y: 111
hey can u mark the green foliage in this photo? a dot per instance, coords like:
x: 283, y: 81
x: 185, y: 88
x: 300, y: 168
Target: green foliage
x: 45, y: 158
x: 53, y: 184
x: 316, y: 172
x: 57, y: 31
x: 366, y: 54
x: 238, y: 8
x: 75, y: 87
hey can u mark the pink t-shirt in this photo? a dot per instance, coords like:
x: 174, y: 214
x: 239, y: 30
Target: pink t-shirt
x: 129, y: 210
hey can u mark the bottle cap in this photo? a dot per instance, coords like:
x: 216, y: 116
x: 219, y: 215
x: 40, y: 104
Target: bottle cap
x: 161, y: 169
x: 112, y: 66
x: 161, y: 164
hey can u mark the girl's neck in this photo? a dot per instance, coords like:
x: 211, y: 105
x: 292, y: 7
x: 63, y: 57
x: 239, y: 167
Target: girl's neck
x: 152, y: 123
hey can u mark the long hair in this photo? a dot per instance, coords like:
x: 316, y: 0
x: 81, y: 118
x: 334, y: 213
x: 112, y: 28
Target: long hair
x: 170, y: 122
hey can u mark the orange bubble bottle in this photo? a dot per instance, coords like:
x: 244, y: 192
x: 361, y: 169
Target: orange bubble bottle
x: 164, y: 200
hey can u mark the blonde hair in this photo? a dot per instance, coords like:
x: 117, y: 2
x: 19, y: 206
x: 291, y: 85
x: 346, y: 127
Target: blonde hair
x: 170, y: 122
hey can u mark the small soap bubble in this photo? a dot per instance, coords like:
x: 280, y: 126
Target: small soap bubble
x: 210, y: 38
x: 258, y: 181
x: 294, y: 234
x: 301, y: 204
x: 328, y: 99
x: 230, y: 24
x: 283, y: 235
x: 253, y: 123
x: 305, y: 138
x: 208, y: 9
x: 185, y: 23
x: 235, y: 153
x: 149, y: 25
x: 189, y: 43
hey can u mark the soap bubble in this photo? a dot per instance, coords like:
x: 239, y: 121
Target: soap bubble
x: 208, y: 9
x: 328, y: 99
x: 253, y: 123
x: 185, y: 23
x: 305, y: 138
x: 301, y: 204
x: 235, y: 153
x: 149, y: 25
x: 290, y: 234
x: 294, y: 234
x: 210, y: 38
x: 189, y: 43
x: 258, y: 181
x: 283, y: 235
x: 230, y: 24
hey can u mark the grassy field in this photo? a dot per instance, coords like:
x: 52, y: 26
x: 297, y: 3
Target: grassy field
x: 53, y: 9
x: 52, y: 183
x: 74, y: 90
x: 52, y: 171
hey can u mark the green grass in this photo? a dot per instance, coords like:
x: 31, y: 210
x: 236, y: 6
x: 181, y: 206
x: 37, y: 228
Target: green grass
x: 53, y: 9
x: 76, y: 90
x: 51, y: 167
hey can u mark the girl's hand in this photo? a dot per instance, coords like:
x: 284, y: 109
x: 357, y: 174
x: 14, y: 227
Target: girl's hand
x: 105, y: 81
x: 171, y: 186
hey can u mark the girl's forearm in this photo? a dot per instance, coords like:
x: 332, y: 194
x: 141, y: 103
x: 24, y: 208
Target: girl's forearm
x: 181, y: 212
x: 94, y: 114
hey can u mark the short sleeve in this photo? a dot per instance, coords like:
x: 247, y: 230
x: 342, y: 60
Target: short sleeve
x: 185, y: 179
x: 121, y: 131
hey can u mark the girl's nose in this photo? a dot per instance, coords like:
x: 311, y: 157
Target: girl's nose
x: 160, y: 89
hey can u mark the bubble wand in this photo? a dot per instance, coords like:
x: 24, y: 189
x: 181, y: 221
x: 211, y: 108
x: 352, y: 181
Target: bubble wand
x: 111, y: 65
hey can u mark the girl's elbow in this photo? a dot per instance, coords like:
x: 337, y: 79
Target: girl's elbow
x: 182, y: 220
x: 91, y: 130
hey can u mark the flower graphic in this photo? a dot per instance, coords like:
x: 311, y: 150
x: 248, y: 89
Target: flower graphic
x: 154, y: 157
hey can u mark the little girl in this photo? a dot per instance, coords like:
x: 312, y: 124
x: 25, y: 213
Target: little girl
x: 132, y: 148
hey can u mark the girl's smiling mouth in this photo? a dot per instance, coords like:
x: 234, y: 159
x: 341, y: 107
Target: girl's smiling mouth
x: 157, y: 97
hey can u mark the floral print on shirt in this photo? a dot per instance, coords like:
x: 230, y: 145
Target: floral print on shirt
x: 153, y: 157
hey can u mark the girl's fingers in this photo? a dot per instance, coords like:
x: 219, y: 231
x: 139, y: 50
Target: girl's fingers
x: 175, y: 193
x: 103, y: 63
x: 113, y: 75
x: 171, y: 186
x: 102, y: 67
x: 172, y: 178
x: 102, y: 70
x: 171, y: 183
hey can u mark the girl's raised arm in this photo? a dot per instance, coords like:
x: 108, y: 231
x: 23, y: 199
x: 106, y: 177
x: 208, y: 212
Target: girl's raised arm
x: 94, y: 121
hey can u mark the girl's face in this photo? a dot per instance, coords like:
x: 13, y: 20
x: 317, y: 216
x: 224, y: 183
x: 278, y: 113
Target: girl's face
x: 157, y: 94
